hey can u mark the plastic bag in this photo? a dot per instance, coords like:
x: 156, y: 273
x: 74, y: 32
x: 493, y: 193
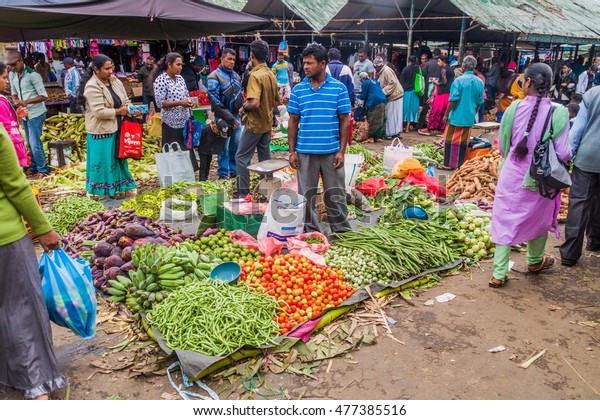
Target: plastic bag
x: 403, y: 167
x: 299, y: 242
x: 174, y: 165
x: 421, y: 179
x: 69, y: 292
x: 371, y: 186
x: 268, y: 246
x: 395, y: 152
x: 130, y: 139
x: 284, y: 216
x: 192, y: 132
x: 168, y: 214
x: 155, y: 125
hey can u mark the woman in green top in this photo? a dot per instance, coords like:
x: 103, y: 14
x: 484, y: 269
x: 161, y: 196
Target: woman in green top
x: 28, y: 361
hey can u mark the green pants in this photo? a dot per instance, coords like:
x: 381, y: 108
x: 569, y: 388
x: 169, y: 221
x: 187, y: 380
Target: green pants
x: 535, y: 253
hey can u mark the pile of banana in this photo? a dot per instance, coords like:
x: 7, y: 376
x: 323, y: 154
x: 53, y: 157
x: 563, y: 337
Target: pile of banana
x: 65, y: 127
x: 160, y: 269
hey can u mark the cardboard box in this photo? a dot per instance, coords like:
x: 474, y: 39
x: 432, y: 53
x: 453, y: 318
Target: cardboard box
x: 137, y: 91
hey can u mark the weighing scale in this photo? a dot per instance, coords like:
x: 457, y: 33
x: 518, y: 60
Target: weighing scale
x: 268, y: 183
x: 487, y: 126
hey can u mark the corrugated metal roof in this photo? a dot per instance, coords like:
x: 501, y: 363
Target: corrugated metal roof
x: 237, y: 5
x: 537, y: 20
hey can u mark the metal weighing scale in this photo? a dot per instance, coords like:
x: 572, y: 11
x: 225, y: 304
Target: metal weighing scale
x: 268, y: 183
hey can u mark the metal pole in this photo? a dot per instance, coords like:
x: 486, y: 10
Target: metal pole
x: 367, y: 35
x: 283, y: 23
x: 514, y: 47
x: 410, y: 29
x: 461, y: 43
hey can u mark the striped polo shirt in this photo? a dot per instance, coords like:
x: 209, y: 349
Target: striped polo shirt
x: 318, y: 109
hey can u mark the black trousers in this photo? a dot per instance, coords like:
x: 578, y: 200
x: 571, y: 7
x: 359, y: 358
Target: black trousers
x: 584, y: 215
x: 423, y: 115
x: 205, y: 160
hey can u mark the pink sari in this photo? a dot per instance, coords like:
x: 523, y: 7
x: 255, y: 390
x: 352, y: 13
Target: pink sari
x: 8, y: 118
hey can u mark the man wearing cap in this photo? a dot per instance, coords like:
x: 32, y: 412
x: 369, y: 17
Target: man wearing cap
x: 72, y: 80
x: 281, y: 71
x: 28, y: 90
x: 189, y: 72
x: 225, y: 94
x: 456, y: 67
x: 393, y: 94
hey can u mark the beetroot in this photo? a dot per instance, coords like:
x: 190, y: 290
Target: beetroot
x: 126, y: 253
x: 137, y: 231
x: 125, y: 241
x: 102, y: 249
x: 113, y: 261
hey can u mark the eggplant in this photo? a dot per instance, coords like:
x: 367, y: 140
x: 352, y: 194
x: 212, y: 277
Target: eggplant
x: 137, y: 231
x: 102, y: 249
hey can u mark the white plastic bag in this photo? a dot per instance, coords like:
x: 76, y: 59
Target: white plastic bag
x: 169, y: 215
x: 284, y: 216
x: 395, y: 152
x: 174, y: 165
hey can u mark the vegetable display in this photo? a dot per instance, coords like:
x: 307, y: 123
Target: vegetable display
x: 407, y: 195
x: 68, y: 210
x: 476, y: 178
x: 433, y: 152
x: 213, y: 318
x: 304, y: 290
x: 65, y: 127
x: 360, y: 267
x: 371, y: 158
x: 219, y: 246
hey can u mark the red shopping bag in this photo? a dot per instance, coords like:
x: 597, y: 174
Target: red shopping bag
x: 130, y: 141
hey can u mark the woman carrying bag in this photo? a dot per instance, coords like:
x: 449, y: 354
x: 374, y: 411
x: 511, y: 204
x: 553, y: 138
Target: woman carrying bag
x: 171, y: 94
x: 105, y: 101
x: 520, y: 213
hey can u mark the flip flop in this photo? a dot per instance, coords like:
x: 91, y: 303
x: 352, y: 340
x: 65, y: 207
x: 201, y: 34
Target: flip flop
x: 495, y: 285
x: 424, y: 133
x: 546, y: 264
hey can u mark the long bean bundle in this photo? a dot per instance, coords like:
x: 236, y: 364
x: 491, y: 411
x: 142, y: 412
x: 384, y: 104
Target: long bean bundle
x: 214, y: 318
x: 403, y: 249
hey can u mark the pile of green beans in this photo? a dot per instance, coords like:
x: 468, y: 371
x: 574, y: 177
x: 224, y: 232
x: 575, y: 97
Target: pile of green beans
x: 214, y: 318
x: 69, y: 210
x: 403, y: 249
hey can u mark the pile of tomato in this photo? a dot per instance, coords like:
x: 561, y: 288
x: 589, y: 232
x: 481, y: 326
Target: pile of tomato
x: 304, y: 290
x: 202, y: 96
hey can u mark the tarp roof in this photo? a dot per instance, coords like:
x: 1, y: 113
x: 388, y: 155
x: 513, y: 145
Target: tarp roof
x: 133, y: 19
x: 564, y: 21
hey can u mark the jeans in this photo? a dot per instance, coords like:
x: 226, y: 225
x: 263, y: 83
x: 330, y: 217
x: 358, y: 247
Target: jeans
x: 248, y: 143
x: 226, y: 158
x: 33, y: 133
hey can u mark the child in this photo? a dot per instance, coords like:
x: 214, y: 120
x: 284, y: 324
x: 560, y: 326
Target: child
x: 576, y: 98
x: 211, y: 142
x: 573, y: 111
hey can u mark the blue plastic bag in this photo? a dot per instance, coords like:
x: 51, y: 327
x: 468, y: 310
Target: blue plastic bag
x: 192, y: 131
x: 69, y: 292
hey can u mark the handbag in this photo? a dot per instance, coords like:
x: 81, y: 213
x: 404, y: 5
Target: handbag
x: 130, y: 139
x: 174, y: 165
x: 550, y: 174
x: 419, y: 83
x: 192, y: 132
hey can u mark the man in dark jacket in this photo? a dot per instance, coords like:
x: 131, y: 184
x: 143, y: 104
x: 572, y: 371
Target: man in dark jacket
x: 225, y: 93
x: 341, y: 72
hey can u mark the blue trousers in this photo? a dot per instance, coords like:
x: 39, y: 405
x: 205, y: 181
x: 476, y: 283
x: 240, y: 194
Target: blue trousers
x: 33, y: 133
x: 226, y: 158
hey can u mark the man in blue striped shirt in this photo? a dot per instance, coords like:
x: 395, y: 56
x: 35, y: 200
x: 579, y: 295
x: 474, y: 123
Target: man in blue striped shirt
x: 319, y: 109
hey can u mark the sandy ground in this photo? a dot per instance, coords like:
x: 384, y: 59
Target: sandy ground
x: 445, y: 352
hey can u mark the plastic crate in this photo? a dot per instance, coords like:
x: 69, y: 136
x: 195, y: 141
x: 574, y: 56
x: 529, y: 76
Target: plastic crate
x: 209, y: 203
x: 249, y: 223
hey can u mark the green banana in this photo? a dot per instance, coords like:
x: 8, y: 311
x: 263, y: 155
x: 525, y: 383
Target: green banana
x: 171, y: 283
x: 153, y: 287
x: 117, y: 285
x: 115, y: 292
x: 115, y: 298
x: 165, y: 267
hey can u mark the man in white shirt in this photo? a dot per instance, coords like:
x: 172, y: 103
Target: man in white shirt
x: 362, y: 65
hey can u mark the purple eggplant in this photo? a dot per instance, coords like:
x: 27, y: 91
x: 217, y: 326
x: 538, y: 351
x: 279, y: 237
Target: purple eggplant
x: 102, y: 249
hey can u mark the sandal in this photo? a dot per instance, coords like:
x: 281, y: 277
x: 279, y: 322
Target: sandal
x: 497, y: 283
x: 545, y: 264
x: 424, y: 132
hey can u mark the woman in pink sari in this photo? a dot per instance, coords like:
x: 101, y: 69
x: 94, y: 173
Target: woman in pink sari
x: 520, y: 213
x: 9, y: 118
x: 439, y: 99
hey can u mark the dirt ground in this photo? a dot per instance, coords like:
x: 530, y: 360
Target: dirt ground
x: 445, y: 354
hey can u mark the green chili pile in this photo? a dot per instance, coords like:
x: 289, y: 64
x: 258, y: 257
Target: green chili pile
x: 214, y: 318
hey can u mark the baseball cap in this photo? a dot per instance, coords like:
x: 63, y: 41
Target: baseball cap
x: 222, y: 128
x: 12, y: 56
x: 378, y: 61
x: 512, y: 66
x: 199, y: 61
x: 68, y: 60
